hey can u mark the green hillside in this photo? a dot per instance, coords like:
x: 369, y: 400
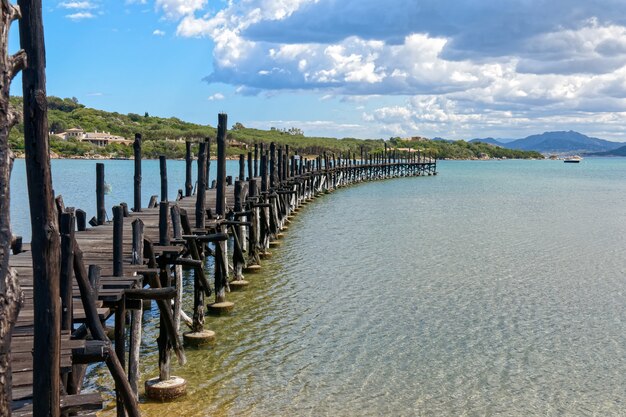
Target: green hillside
x: 162, y: 136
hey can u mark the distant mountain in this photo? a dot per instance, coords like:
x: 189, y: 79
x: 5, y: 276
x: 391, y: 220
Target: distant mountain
x: 490, y: 141
x: 563, y: 142
x: 621, y: 151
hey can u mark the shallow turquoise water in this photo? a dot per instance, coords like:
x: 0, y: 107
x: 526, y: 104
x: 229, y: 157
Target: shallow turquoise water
x: 494, y: 288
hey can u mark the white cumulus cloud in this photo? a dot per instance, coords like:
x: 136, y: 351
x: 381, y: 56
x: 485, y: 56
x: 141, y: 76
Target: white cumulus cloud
x: 458, y: 63
x: 216, y: 97
x: 80, y: 16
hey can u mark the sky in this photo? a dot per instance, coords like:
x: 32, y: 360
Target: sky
x: 457, y: 69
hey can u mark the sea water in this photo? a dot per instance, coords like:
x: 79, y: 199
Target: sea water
x: 493, y: 288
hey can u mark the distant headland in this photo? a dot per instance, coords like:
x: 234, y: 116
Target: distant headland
x: 79, y: 132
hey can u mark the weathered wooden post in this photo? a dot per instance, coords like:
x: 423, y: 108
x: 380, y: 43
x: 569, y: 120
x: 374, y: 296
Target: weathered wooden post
x: 250, y: 176
x: 256, y: 160
x: 198, y: 336
x: 118, y: 240
x: 164, y: 224
x: 120, y: 307
x: 163, y: 173
x: 81, y: 220
x: 221, y: 260
x: 208, y: 162
x: 279, y: 165
x: 263, y: 173
x: 45, y: 246
x: 273, y: 174
x: 165, y: 387
x: 188, y: 183
x: 135, y: 317
x: 242, y: 167
x: 67, y: 226
x: 239, y: 261
x: 200, y: 196
x: 137, y: 177
x: 101, y: 212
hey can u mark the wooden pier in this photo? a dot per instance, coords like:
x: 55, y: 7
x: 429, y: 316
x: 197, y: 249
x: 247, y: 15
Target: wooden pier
x: 108, y: 270
x: 57, y: 293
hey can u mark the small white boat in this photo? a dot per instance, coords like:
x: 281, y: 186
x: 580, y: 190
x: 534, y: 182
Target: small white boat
x: 572, y: 159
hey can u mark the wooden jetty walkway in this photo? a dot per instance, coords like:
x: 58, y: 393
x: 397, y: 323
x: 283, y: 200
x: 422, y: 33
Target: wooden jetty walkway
x: 109, y: 269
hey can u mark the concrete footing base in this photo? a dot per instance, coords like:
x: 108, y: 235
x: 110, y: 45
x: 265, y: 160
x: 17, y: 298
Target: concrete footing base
x: 196, y: 339
x: 218, y: 309
x: 165, y: 390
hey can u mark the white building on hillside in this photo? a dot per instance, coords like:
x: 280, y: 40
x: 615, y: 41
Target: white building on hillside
x: 96, y: 138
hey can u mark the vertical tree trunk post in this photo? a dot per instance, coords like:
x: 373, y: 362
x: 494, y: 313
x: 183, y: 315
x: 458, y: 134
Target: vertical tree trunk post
x: 135, y: 318
x: 242, y: 167
x: 198, y: 336
x: 81, y: 220
x: 164, y: 224
x: 238, y: 256
x: 200, y: 196
x: 279, y: 165
x: 137, y: 177
x: 177, y: 232
x: 67, y: 269
x: 220, y: 205
x: 250, y: 172
x: 263, y: 173
x: 221, y: 263
x: 163, y: 172
x: 256, y: 160
x: 45, y: 230
x: 118, y: 241
x: 101, y: 212
x: 188, y: 182
x: 273, y: 176
x: 208, y: 162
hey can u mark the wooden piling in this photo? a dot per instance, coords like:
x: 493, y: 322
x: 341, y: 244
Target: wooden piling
x: 200, y: 197
x: 100, y: 189
x: 221, y: 263
x: 163, y: 172
x: 118, y: 241
x: 188, y: 182
x: 45, y: 245
x: 256, y: 160
x: 137, y: 176
x: 67, y: 269
x: 242, y: 167
x: 250, y: 176
x: 208, y: 162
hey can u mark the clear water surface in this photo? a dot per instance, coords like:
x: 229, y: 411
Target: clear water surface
x: 496, y: 288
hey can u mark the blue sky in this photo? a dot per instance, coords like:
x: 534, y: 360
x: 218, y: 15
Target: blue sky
x: 360, y: 68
